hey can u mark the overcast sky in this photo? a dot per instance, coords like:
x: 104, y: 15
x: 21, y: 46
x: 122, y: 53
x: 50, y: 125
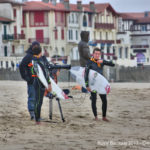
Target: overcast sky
x: 124, y: 5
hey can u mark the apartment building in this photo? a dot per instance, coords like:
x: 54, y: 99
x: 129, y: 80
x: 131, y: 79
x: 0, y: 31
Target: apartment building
x: 134, y: 32
x: 11, y: 33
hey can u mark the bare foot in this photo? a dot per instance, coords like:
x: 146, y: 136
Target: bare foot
x: 105, y: 119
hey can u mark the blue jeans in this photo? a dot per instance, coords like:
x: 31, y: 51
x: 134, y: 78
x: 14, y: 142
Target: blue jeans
x: 31, y: 98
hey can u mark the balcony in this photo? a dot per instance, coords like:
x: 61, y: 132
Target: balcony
x: 9, y: 37
x: 139, y: 46
x: 43, y: 40
x: 19, y: 36
x: 104, y: 26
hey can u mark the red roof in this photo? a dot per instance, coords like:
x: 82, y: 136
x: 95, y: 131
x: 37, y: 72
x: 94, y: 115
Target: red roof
x: 39, y: 6
x: 138, y: 17
x: 101, y: 7
x: 2, y: 19
x: 143, y: 20
x: 131, y: 16
x: 73, y: 7
x: 35, y: 6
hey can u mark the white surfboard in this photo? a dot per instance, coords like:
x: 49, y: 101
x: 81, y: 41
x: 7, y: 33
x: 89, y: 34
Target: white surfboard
x: 97, y: 82
x: 55, y: 88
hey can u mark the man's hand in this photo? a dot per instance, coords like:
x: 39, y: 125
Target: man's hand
x: 88, y: 89
x: 49, y: 88
x: 100, y: 61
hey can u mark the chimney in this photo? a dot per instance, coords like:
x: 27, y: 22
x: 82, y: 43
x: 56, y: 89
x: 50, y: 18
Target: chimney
x: 92, y: 5
x: 24, y: 1
x: 79, y: 4
x: 45, y: 1
x: 66, y: 4
x: 53, y: 2
x: 146, y: 13
x: 61, y: 1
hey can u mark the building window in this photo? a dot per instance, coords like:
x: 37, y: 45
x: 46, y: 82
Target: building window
x: 6, y: 64
x: 120, y: 52
x: 100, y: 35
x: 13, y: 49
x: 62, y: 34
x: 56, y: 34
x: 90, y: 20
x: 100, y: 19
x: 143, y: 27
x: 106, y: 35
x: 56, y: 51
x: 72, y: 18
x: 77, y: 55
x: 94, y: 35
x: 1, y: 64
x: 14, y: 11
x: 69, y: 19
x: 38, y: 19
x: 24, y: 20
x: 126, y: 52
x: 70, y: 35
x: 62, y: 52
x: 76, y: 35
x: 56, y: 18
x: 107, y: 19
x: 77, y: 17
x: 5, y: 51
x: 84, y: 21
x: 62, y: 17
x: 114, y: 50
x: 108, y: 52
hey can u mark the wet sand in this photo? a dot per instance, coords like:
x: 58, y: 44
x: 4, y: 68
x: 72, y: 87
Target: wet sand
x: 128, y: 112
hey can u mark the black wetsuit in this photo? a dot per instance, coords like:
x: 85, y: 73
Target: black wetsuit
x: 39, y: 87
x: 92, y: 64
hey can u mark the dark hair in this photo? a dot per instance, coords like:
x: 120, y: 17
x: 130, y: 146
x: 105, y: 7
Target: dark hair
x: 35, y: 43
x: 96, y: 49
x: 36, y: 50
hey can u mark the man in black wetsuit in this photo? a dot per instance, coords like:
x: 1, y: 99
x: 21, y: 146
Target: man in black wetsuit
x: 96, y: 64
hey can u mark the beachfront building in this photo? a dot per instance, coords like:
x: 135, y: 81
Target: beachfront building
x: 11, y: 21
x: 134, y: 33
x: 46, y: 23
x: 80, y: 19
x: 105, y: 30
x: 5, y: 45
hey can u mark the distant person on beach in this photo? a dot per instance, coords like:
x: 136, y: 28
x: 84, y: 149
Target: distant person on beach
x: 27, y: 76
x: 38, y: 86
x: 12, y: 65
x: 96, y: 64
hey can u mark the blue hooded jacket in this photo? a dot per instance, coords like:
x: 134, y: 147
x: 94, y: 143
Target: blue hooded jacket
x: 24, y: 68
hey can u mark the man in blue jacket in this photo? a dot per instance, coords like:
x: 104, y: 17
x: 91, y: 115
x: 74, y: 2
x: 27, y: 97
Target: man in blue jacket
x: 27, y: 76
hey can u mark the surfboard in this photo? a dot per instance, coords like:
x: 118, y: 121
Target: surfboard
x: 55, y: 88
x: 97, y: 82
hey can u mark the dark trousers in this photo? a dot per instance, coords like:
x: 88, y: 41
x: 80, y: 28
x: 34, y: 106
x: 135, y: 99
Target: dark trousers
x: 39, y: 94
x: 104, y: 103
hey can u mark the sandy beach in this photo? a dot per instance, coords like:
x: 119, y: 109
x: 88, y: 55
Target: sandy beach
x: 128, y: 129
